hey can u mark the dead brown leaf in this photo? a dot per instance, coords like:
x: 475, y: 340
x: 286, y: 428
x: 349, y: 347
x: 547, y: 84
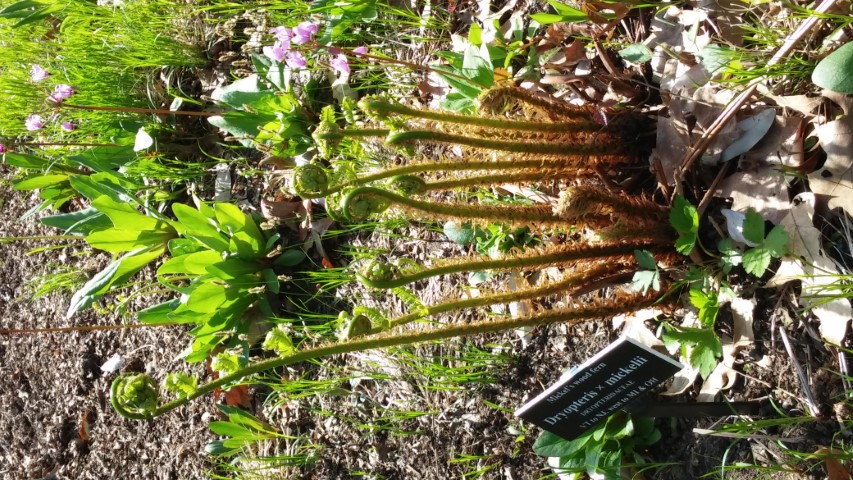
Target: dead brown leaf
x: 764, y: 190
x: 835, y: 470
x: 834, y: 181
x: 809, y: 264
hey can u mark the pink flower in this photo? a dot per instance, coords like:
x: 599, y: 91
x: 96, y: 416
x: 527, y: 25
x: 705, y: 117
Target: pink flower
x: 68, y: 126
x: 2, y: 149
x: 283, y: 34
x: 303, y: 32
x: 277, y: 52
x: 340, y: 64
x: 38, y: 73
x: 34, y: 122
x: 358, y: 51
x: 295, y: 60
x: 61, y: 92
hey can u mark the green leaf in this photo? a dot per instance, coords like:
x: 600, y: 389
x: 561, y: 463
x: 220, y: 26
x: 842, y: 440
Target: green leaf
x: 246, y: 246
x: 17, y: 6
x: 636, y: 53
x: 32, y: 162
x: 279, y: 341
x: 756, y: 260
x: 180, y: 383
x: 243, y: 125
x: 157, y: 314
x: 753, y: 227
x: 241, y: 92
x: 731, y: 256
x: 115, y: 273
x: 40, y: 181
x: 290, y: 258
x: 232, y: 220
x: 546, y: 18
x: 207, y: 297
x: 708, y: 306
x: 550, y: 445
x: 706, y: 346
x: 683, y: 216
x: 685, y: 243
x: 225, y: 363
x: 117, y: 240
x: 645, y: 279
x: 232, y: 268
x: 124, y: 216
x: 199, y: 227
x: 218, y: 448
x: 80, y: 222
x: 228, y: 429
x: 38, y: 15
x: 645, y: 259
x: 271, y: 280
x: 459, y: 233
x: 835, y: 71
x: 777, y: 242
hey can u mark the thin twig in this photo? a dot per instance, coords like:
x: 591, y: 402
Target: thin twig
x: 810, y: 401
x: 84, y: 328
x: 727, y: 114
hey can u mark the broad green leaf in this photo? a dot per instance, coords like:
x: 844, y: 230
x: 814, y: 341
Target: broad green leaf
x: 241, y: 92
x: 271, y: 280
x: 183, y: 246
x: 731, y: 255
x: 777, y: 242
x: 98, y: 184
x: 706, y: 346
x: 246, y: 246
x: 208, y: 297
x: 233, y: 268
x: 645, y: 259
x: 21, y: 160
x: 459, y: 233
x: 756, y: 260
x: 104, y: 159
x: 157, y: 314
x: 124, y: 216
x: 116, y: 273
x: 233, y: 220
x: 683, y: 216
x: 40, y: 181
x: 243, y: 125
x: 80, y: 222
x: 218, y: 448
x: 199, y: 227
x: 228, y: 429
x: 195, y: 263
x: 290, y: 258
x: 685, y: 243
x: 835, y: 71
x: 753, y: 227
x: 117, y: 240
x: 39, y: 14
x: 550, y: 445
x: 645, y: 279
x: 477, y: 65
x: 636, y: 53
x: 708, y: 306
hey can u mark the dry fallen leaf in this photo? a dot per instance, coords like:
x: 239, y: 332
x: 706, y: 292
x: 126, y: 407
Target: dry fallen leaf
x: 835, y: 470
x: 764, y: 190
x: 635, y: 326
x: 723, y: 376
x: 808, y: 264
x: 835, y: 179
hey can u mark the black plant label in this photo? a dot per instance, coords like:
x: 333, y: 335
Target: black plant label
x: 613, y: 379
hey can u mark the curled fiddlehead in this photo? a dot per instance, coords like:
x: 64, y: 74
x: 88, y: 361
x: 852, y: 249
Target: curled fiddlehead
x: 408, y: 184
x: 310, y: 181
x: 360, y: 203
x: 134, y: 395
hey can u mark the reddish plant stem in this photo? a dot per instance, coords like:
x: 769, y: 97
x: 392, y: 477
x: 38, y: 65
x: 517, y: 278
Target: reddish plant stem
x: 152, y: 111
